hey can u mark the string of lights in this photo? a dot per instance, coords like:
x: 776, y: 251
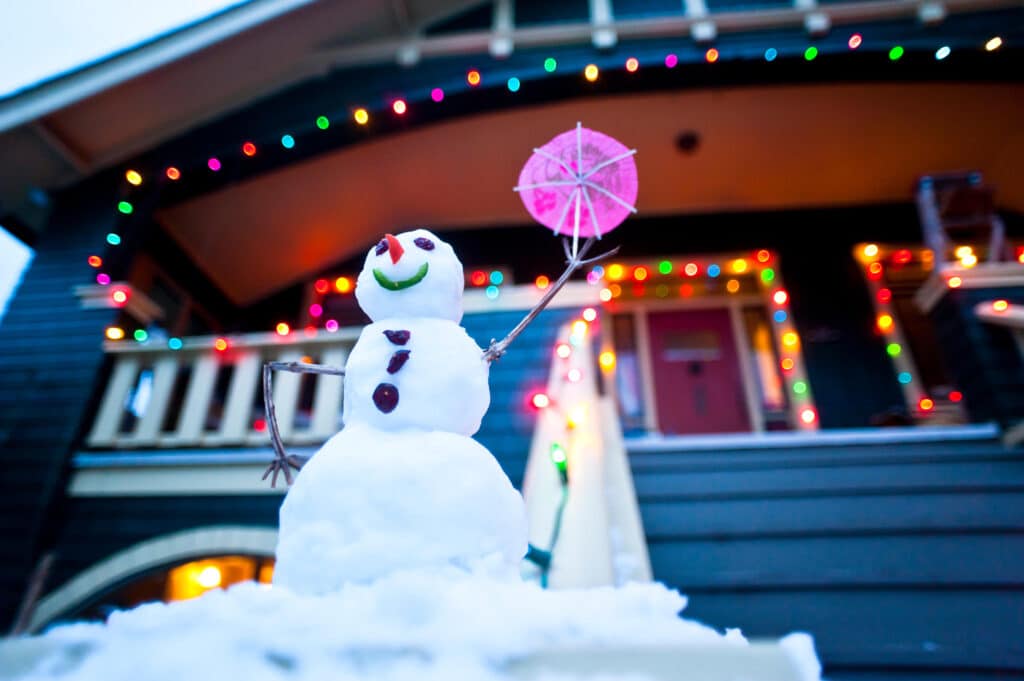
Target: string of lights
x: 361, y: 116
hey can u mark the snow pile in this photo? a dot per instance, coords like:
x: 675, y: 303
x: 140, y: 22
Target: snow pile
x: 371, y: 502
x: 423, y: 624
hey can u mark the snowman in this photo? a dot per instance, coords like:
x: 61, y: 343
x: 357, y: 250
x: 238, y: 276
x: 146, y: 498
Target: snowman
x: 404, y: 486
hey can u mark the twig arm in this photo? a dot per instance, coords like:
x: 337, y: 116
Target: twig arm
x: 284, y: 462
x: 498, y: 348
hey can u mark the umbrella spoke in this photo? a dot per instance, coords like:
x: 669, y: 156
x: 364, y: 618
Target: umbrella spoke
x: 605, y: 164
x: 593, y: 215
x: 565, y: 210
x: 552, y: 157
x: 610, y: 195
x: 541, y: 185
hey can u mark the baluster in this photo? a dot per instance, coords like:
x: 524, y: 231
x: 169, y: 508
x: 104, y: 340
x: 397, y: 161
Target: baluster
x: 327, y: 400
x: 286, y: 394
x: 197, y: 400
x: 238, y: 405
x: 165, y: 371
x: 108, y: 419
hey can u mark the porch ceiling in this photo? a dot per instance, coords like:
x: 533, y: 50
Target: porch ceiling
x: 761, y: 148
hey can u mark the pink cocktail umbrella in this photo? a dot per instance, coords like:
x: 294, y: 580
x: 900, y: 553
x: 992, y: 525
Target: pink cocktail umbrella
x: 582, y: 173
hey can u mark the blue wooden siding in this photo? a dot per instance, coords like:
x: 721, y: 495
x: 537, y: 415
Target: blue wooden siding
x: 901, y: 559
x: 50, y: 355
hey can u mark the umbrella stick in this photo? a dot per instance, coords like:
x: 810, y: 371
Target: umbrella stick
x: 498, y: 348
x: 576, y: 227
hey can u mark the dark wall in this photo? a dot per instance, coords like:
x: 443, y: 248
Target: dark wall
x: 983, y: 358
x: 50, y: 355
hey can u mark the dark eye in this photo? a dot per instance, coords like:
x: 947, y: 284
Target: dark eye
x: 424, y: 243
x: 382, y: 247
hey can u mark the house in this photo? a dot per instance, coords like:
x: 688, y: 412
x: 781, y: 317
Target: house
x: 808, y: 351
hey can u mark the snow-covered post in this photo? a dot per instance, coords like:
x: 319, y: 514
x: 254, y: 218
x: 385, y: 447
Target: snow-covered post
x: 600, y: 541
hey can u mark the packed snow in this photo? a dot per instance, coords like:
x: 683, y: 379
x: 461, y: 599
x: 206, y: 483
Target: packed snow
x: 441, y: 623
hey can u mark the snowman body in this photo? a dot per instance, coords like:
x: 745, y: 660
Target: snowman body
x: 403, y: 485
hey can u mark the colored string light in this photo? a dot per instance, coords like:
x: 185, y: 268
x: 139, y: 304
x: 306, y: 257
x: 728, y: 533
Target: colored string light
x: 855, y: 41
x: 1000, y: 306
x: 810, y: 53
x: 140, y: 335
x: 563, y: 350
x: 895, y: 53
x: 213, y: 163
x: 607, y: 360
x: 770, y: 54
x: 361, y: 116
x: 632, y: 64
x: 133, y: 177
x: 342, y: 284
x: 175, y: 343
x: 993, y: 44
x: 323, y: 122
x: 671, y: 61
x: 492, y: 292
x: 711, y: 56
x: 220, y: 345
x: 249, y: 149
x: 540, y: 401
x: 173, y: 174
x: 331, y: 325
x: 893, y: 349
x: 473, y: 77
x: 513, y: 84
x: 95, y: 261
x: 114, y: 333
x: 590, y: 314
x: 399, y: 107
x: 591, y: 72
x: 437, y: 94
x: 550, y: 64
x: 542, y: 282
x: 113, y: 239
x: 102, y: 279
x: 287, y: 141
x: 942, y: 52
x: 282, y: 329
x: 125, y: 207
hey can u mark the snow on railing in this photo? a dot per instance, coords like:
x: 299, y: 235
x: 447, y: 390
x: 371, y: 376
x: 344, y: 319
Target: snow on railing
x: 588, y: 522
x: 204, y: 391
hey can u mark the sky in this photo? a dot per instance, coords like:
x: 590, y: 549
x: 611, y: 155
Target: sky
x: 40, y: 39
x: 14, y: 257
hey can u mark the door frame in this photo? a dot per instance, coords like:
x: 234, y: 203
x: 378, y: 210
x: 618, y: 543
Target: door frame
x: 734, y: 306
x: 800, y: 404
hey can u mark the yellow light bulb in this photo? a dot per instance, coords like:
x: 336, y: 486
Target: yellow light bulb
x: 209, y: 577
x: 871, y: 250
x: 607, y: 360
x: 739, y: 265
x: 591, y: 72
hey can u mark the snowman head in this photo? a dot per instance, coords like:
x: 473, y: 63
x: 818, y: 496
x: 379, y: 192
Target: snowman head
x: 413, y: 274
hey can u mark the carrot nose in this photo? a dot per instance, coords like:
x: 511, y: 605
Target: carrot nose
x: 394, y: 248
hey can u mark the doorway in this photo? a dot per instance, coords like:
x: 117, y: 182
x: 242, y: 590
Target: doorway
x: 698, y: 380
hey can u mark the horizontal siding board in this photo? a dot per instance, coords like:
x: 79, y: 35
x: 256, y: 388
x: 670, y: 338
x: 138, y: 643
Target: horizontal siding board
x: 963, y: 628
x: 837, y: 562
x: 896, y: 514
x: 904, y: 478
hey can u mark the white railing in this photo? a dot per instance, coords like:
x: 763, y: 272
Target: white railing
x: 199, y: 396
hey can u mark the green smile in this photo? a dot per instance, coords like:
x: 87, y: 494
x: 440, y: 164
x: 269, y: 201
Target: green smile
x: 390, y: 285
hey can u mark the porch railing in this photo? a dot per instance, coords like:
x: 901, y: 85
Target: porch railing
x: 206, y: 393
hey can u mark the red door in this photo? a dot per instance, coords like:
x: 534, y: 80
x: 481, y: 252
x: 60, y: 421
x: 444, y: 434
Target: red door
x: 698, y: 384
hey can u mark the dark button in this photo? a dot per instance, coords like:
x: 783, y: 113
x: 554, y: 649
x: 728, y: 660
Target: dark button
x: 398, y: 337
x: 398, y: 360
x: 385, y: 396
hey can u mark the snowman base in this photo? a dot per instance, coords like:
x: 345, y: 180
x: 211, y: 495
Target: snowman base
x: 372, y: 502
